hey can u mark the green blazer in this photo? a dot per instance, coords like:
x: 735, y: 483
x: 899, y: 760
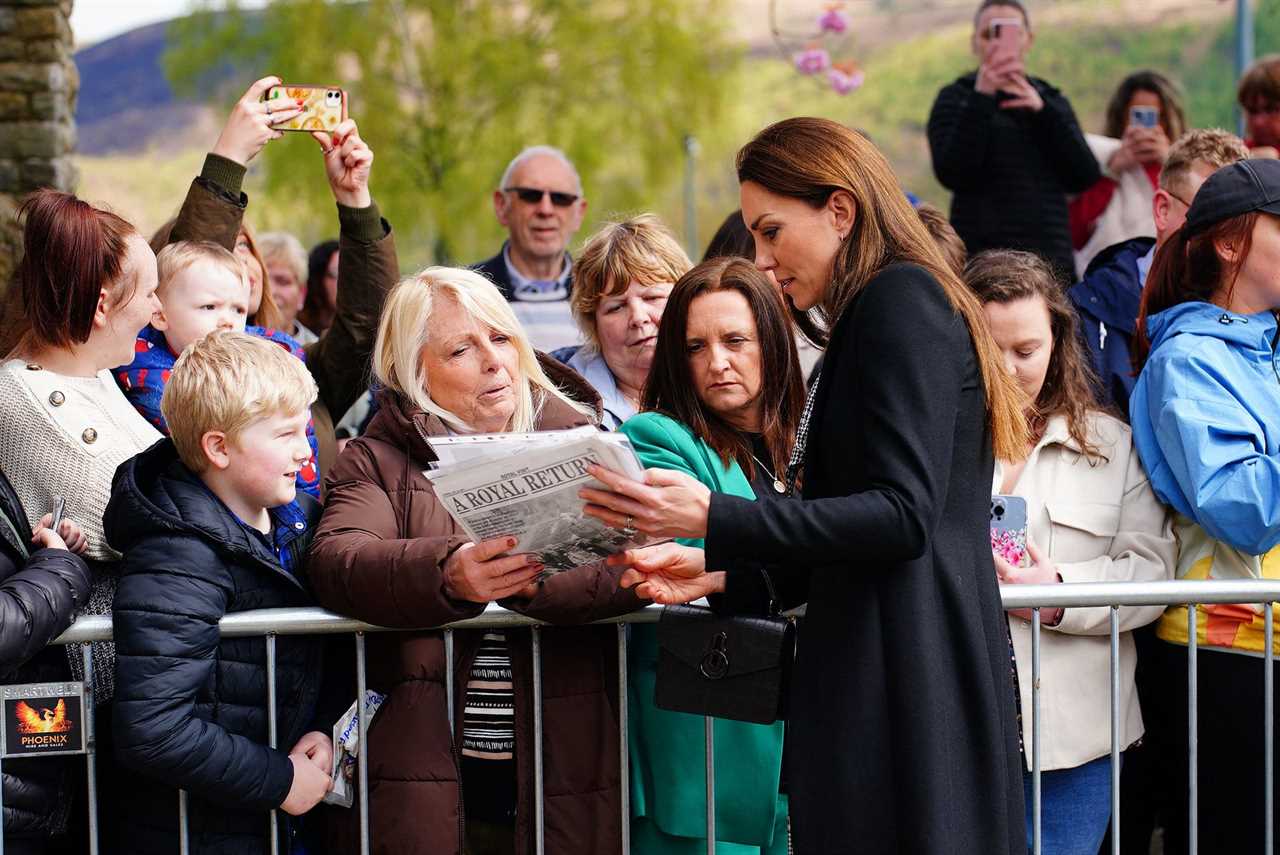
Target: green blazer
x: 668, y: 759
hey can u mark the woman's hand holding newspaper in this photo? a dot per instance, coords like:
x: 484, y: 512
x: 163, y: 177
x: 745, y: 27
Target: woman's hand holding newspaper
x: 481, y: 573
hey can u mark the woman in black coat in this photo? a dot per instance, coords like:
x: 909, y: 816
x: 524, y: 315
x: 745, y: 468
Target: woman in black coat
x: 903, y: 733
x: 42, y: 582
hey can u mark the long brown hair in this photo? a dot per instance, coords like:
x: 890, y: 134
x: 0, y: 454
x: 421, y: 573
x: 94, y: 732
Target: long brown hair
x: 809, y: 159
x: 1003, y: 276
x: 1188, y: 268
x: 1172, y: 117
x: 671, y: 390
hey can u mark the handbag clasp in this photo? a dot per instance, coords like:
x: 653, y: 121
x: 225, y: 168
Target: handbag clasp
x: 715, y: 662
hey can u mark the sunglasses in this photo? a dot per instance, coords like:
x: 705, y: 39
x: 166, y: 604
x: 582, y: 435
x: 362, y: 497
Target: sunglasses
x: 532, y: 196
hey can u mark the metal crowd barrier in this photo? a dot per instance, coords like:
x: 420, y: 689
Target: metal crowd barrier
x: 271, y: 623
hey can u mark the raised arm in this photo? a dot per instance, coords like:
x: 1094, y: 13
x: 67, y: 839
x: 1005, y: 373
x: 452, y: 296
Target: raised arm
x: 367, y: 270
x: 1058, y: 130
x: 215, y: 204
x: 958, y: 130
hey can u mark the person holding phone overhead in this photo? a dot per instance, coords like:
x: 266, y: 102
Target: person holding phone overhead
x: 214, y: 211
x: 1008, y: 146
x: 1144, y: 117
x: 1091, y: 516
x: 902, y: 734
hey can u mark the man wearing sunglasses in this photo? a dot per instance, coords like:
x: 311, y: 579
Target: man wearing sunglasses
x: 540, y: 203
x: 1107, y: 298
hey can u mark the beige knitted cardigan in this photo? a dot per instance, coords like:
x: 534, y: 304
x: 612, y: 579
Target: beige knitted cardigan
x: 65, y: 436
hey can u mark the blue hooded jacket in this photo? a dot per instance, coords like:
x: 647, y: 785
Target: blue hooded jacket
x: 1206, y: 421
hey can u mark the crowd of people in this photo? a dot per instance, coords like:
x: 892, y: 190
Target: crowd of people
x: 236, y: 423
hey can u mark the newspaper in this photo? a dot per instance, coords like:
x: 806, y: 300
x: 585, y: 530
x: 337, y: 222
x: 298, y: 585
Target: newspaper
x: 346, y: 747
x: 526, y: 486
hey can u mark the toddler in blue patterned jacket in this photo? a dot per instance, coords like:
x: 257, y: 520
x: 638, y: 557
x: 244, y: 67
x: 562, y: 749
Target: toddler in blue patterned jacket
x: 202, y: 288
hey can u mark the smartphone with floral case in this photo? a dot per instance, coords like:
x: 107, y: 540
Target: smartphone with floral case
x: 1009, y: 528
x: 323, y: 107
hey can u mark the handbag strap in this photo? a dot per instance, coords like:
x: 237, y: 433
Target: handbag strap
x: 774, y: 611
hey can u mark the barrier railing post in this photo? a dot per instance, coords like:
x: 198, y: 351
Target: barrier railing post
x: 1115, y: 730
x: 91, y: 746
x: 1268, y: 728
x: 362, y: 750
x: 448, y: 678
x: 624, y: 745
x: 272, y: 737
x: 184, y: 825
x: 539, y: 817
x: 1035, y: 731
x: 711, y: 784
x: 1193, y: 786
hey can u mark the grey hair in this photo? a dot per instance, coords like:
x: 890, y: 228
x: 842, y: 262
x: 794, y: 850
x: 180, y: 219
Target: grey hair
x: 540, y: 151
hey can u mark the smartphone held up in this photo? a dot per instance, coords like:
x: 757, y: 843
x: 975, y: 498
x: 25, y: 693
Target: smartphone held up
x: 1006, y: 35
x: 1144, y: 117
x: 1009, y: 528
x: 323, y: 107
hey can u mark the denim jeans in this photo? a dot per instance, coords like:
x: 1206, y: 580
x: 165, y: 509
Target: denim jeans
x: 1075, y: 807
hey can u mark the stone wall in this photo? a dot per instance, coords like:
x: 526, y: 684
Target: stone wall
x: 38, y: 86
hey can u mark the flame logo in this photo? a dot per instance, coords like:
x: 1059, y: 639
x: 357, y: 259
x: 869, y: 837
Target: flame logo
x: 45, y: 721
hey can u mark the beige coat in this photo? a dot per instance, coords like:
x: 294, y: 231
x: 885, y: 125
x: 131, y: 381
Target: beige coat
x: 1097, y: 521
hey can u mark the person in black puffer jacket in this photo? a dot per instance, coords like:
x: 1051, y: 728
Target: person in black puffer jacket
x: 40, y: 590
x: 1009, y: 148
x: 191, y: 706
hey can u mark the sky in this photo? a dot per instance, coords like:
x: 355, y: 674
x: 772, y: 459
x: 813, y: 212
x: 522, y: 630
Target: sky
x: 95, y: 20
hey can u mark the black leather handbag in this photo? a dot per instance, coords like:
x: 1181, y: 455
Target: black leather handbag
x: 735, y: 667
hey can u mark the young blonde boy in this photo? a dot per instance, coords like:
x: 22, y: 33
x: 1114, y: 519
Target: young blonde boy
x: 203, y: 288
x: 210, y: 522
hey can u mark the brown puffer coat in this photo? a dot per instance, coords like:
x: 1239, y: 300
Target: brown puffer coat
x: 377, y: 556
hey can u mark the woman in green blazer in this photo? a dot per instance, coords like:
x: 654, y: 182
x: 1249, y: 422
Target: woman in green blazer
x: 712, y: 411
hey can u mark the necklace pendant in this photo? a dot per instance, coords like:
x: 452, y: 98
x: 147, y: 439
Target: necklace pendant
x: 779, y: 486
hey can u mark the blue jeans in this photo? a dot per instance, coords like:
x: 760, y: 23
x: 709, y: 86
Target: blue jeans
x: 1075, y: 807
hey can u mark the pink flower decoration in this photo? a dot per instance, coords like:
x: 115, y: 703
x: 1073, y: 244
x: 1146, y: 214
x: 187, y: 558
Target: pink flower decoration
x: 845, y: 82
x: 812, y: 61
x: 833, y: 21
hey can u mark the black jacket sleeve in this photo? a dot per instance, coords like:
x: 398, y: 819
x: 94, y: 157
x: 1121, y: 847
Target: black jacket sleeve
x: 901, y: 378
x: 1059, y: 132
x: 167, y: 609
x: 959, y: 129
x: 38, y: 601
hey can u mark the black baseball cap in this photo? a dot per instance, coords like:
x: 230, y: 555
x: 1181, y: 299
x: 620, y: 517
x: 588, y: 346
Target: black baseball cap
x: 1238, y: 188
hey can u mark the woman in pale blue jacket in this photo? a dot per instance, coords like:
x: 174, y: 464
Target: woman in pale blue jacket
x: 1206, y: 423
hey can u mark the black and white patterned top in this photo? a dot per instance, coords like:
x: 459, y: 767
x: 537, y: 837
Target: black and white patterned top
x: 488, y: 719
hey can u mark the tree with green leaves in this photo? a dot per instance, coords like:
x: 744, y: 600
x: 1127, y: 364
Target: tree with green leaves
x: 446, y: 92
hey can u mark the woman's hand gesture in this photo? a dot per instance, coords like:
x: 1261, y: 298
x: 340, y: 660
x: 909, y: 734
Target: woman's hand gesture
x: 668, y: 573
x: 667, y: 504
x: 68, y: 536
x: 248, y: 128
x: 1041, y: 572
x: 480, y: 573
x: 347, y: 162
